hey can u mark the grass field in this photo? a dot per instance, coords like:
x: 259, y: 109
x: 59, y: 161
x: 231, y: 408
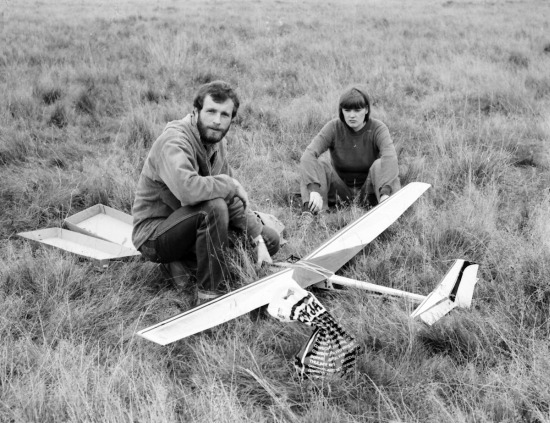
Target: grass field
x: 464, y: 87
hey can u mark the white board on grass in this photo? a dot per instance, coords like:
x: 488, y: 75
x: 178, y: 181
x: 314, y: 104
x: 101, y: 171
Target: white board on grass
x: 80, y: 244
x: 103, y: 222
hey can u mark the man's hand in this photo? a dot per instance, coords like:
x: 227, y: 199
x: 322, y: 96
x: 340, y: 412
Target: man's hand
x: 262, y: 255
x: 241, y: 194
x: 315, y: 202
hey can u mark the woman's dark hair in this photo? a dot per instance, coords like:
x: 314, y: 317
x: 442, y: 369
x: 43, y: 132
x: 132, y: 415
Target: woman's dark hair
x: 354, y: 98
x: 220, y: 91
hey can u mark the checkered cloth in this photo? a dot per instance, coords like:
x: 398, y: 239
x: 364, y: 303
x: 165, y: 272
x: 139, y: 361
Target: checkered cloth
x: 329, y: 350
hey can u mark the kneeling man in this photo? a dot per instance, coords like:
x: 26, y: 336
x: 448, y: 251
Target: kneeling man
x: 187, y: 199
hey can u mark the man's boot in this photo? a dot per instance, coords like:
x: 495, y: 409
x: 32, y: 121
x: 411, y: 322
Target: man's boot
x: 177, y: 273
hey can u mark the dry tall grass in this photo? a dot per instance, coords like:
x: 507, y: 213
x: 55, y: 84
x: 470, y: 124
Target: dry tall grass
x: 464, y: 88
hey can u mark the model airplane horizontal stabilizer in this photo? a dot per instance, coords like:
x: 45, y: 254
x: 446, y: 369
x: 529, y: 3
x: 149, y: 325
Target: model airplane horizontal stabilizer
x: 330, y: 256
x: 455, y: 290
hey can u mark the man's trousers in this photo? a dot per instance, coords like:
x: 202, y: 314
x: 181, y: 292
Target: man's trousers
x: 198, y: 236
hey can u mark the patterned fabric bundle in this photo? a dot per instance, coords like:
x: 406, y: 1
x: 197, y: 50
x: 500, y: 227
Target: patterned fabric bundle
x: 329, y: 350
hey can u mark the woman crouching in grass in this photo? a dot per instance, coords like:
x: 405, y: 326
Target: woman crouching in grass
x: 352, y: 156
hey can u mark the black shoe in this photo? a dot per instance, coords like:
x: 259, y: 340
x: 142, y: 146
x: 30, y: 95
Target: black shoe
x: 306, y: 219
x: 371, y: 200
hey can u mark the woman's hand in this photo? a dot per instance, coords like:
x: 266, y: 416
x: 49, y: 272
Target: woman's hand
x: 315, y: 202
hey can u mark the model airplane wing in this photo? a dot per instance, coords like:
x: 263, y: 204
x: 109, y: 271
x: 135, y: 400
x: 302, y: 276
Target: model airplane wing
x: 220, y: 310
x: 329, y: 257
x: 349, y: 241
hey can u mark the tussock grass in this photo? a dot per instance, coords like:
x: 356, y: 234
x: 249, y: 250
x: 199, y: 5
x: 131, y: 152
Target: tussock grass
x: 48, y: 94
x: 463, y: 88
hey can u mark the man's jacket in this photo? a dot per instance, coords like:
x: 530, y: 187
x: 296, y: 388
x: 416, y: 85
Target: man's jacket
x: 180, y: 171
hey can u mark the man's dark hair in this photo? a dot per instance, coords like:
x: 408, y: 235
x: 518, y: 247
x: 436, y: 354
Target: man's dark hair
x: 220, y: 91
x: 354, y: 98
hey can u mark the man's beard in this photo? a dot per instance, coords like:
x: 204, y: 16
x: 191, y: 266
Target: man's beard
x: 209, y: 135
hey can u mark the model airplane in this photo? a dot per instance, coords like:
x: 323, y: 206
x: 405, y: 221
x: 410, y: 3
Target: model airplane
x: 318, y: 267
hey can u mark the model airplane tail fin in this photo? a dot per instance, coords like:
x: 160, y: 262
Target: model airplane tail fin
x: 455, y: 290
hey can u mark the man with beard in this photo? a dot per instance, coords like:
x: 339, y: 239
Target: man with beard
x: 187, y: 199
